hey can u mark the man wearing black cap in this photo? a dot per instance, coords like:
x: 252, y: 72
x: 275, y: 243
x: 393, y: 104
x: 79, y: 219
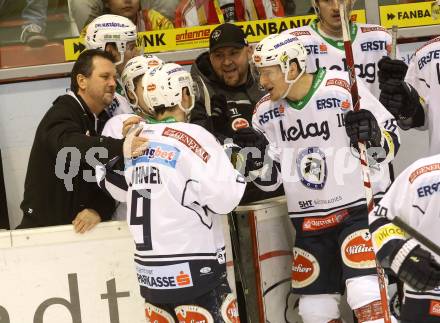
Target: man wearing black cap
x: 230, y: 93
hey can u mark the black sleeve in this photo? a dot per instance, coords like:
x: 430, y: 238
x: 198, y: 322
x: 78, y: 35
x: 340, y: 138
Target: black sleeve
x: 64, y: 128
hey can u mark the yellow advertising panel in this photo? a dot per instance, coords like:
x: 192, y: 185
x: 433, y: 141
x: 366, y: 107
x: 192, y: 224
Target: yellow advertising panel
x: 198, y: 37
x: 410, y: 15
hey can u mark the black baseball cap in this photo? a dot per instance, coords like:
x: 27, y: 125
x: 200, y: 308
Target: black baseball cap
x: 227, y: 35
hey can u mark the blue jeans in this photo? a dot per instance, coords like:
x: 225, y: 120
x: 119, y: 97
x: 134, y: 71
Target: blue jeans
x: 35, y: 12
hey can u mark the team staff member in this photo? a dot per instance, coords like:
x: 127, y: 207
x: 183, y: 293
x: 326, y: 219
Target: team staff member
x: 58, y: 188
x: 231, y: 91
x: 176, y: 186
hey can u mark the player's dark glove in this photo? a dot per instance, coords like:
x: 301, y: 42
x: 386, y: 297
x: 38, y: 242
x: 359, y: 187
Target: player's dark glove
x: 249, y: 137
x: 391, y: 69
x: 218, y: 111
x: 362, y: 126
x: 400, y: 99
x: 415, y: 266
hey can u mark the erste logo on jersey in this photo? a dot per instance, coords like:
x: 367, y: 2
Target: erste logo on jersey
x: 374, y: 46
x: 312, y: 129
x: 312, y: 168
x: 165, y: 277
x: 357, y: 250
x: 427, y: 58
x: 339, y: 100
x: 276, y: 112
x: 428, y: 190
x: 316, y: 49
x: 305, y: 268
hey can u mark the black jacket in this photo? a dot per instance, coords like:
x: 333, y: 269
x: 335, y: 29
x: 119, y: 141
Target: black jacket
x: 241, y: 100
x: 50, y: 196
x: 240, y: 104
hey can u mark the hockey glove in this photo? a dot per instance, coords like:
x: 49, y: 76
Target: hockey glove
x: 218, y: 109
x: 400, y: 99
x: 391, y: 69
x: 249, y: 137
x: 415, y: 266
x: 362, y: 126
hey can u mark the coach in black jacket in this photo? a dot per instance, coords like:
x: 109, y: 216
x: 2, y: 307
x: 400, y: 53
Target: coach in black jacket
x: 59, y: 186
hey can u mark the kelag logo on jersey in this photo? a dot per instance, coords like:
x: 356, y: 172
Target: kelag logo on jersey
x: 313, y: 129
x: 271, y: 114
x: 161, y: 154
x: 364, y: 71
x: 312, y: 168
x: 164, y: 277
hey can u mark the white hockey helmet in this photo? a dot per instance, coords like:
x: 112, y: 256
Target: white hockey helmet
x: 282, y: 50
x: 110, y: 29
x: 163, y: 87
x: 135, y: 67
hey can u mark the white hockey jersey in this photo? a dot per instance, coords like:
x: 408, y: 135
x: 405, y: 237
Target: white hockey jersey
x: 424, y: 75
x: 319, y: 173
x: 369, y: 42
x: 175, y: 193
x: 415, y: 198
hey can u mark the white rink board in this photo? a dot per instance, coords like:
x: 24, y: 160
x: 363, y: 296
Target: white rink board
x: 33, y: 276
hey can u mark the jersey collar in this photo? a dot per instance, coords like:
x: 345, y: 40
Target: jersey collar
x: 339, y: 44
x: 151, y: 120
x: 317, y: 80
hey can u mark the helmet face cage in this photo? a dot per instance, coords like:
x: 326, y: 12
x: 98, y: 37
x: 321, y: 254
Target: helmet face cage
x: 281, y: 50
x: 135, y: 67
x: 110, y: 29
x: 163, y: 87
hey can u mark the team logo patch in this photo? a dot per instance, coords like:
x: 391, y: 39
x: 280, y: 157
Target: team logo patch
x: 312, y: 168
x: 434, y: 308
x: 188, y: 141
x: 155, y: 314
x: 357, y: 250
x: 338, y: 82
x: 240, y: 123
x: 422, y: 170
x: 151, y: 87
x: 323, y: 48
x: 305, y: 268
x: 216, y: 34
x: 193, y: 314
x: 229, y: 310
x: 164, y: 277
x: 319, y: 223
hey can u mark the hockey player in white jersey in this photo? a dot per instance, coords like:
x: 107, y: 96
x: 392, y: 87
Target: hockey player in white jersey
x: 325, y: 48
x: 415, y: 100
x: 308, y: 122
x: 415, y: 198
x: 132, y: 81
x: 176, y: 190
x: 117, y: 35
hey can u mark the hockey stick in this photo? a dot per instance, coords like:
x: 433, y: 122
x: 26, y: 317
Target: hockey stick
x: 362, y: 149
x: 417, y: 235
x: 394, y: 30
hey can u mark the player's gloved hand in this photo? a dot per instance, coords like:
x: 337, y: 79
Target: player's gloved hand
x: 250, y: 137
x: 391, y: 69
x: 363, y: 126
x: 218, y: 111
x: 415, y: 266
x: 399, y: 98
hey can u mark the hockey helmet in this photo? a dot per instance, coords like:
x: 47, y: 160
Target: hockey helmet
x: 282, y: 50
x: 110, y: 29
x: 135, y: 67
x: 163, y: 87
